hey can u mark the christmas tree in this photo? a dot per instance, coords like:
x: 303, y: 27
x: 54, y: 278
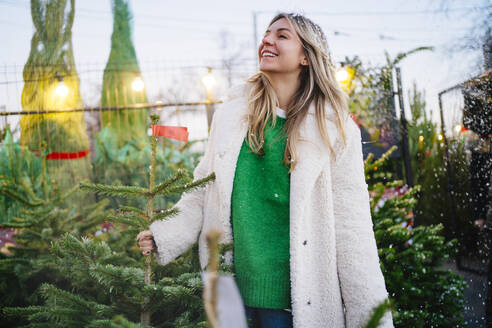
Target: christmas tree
x: 424, y: 295
x: 38, y: 218
x: 52, y: 84
x: 122, y: 81
x: 138, y: 219
x: 109, y: 286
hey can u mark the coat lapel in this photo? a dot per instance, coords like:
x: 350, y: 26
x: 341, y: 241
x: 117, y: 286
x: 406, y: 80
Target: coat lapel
x: 230, y: 136
x: 311, y: 160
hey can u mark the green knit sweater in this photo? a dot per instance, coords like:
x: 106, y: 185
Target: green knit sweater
x: 260, y: 221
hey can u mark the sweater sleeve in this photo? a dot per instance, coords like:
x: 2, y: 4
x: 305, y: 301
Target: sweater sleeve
x: 175, y: 235
x: 361, y: 280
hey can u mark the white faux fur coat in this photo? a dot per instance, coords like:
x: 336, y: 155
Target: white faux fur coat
x: 336, y: 277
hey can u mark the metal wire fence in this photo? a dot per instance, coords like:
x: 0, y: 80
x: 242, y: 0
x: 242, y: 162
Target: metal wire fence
x: 174, y: 91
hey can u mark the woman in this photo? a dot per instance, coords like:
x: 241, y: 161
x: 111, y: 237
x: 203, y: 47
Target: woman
x: 289, y: 191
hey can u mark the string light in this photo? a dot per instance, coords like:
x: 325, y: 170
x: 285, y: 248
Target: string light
x: 342, y: 75
x: 209, y: 80
x: 345, y: 76
x: 138, y: 84
x: 61, y: 89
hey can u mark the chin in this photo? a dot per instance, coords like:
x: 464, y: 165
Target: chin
x: 268, y: 68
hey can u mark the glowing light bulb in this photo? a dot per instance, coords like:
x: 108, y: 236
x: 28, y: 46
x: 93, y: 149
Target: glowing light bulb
x: 440, y: 136
x: 421, y: 138
x: 61, y: 89
x: 209, y: 80
x: 138, y: 84
x: 457, y: 128
x: 342, y: 75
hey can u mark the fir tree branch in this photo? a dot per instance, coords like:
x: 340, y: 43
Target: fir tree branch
x: 27, y: 188
x: 8, y: 192
x: 13, y: 261
x: 37, y: 211
x: 21, y: 311
x: 132, y: 209
x: 180, y: 175
x: 109, y: 190
x: 17, y: 223
x: 49, y: 291
x: 119, y: 279
x: 170, y: 212
x: 67, y: 193
x: 191, y: 186
x: 130, y: 220
x: 118, y: 321
x: 378, y: 313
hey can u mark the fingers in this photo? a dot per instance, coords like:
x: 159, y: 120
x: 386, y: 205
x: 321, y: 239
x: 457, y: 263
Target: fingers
x: 146, y: 250
x: 146, y: 242
x: 144, y: 234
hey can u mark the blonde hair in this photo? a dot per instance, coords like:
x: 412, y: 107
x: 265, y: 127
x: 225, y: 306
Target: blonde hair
x: 318, y: 85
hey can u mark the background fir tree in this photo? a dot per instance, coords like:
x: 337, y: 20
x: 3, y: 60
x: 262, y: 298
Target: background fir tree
x: 427, y: 155
x: 40, y: 218
x: 424, y: 294
x: 121, y: 71
x: 105, y: 274
x: 50, y: 63
x: 18, y: 166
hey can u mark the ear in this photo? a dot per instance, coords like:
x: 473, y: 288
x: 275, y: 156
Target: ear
x: 304, y: 61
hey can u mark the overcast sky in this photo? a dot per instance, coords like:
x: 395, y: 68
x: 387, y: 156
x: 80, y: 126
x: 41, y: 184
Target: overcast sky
x: 178, y: 33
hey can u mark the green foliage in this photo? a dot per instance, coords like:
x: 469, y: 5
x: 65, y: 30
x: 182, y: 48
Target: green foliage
x: 129, y: 164
x: 121, y: 70
x: 105, y: 283
x: 51, y: 59
x: 424, y: 294
x: 41, y: 219
x: 18, y: 166
x: 128, y: 288
x: 378, y: 313
x: 429, y: 167
x: 371, y: 93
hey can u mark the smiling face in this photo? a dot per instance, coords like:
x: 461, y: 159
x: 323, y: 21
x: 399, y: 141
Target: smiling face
x: 281, y: 49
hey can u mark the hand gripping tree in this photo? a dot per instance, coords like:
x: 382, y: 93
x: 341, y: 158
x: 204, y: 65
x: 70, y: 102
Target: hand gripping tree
x: 137, y: 219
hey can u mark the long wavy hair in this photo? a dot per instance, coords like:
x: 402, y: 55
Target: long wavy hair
x: 317, y: 84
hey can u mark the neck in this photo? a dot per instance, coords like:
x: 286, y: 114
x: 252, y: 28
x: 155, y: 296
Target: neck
x: 285, y: 86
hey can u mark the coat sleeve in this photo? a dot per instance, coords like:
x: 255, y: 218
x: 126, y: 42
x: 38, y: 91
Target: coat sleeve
x: 361, y: 280
x: 175, y: 235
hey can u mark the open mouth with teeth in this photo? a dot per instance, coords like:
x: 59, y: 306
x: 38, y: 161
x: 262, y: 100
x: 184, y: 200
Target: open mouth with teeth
x: 268, y: 54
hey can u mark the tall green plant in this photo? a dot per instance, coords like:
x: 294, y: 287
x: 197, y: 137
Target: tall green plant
x: 424, y: 294
x: 51, y: 64
x: 121, y: 71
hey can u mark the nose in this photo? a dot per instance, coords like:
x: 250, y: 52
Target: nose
x: 267, y: 39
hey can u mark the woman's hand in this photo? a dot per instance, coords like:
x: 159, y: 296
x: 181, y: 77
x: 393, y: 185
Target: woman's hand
x: 146, y: 241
